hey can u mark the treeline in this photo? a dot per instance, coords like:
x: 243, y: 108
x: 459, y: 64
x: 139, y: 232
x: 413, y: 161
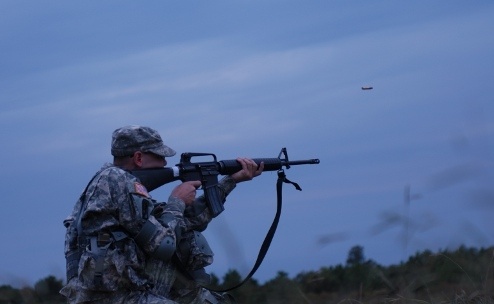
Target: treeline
x: 44, y: 291
x: 464, y: 275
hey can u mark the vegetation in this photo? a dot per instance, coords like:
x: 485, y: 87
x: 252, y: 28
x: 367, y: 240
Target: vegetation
x: 465, y: 275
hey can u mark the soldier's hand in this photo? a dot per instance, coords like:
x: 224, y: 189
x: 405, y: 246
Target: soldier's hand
x: 186, y: 191
x: 249, y: 170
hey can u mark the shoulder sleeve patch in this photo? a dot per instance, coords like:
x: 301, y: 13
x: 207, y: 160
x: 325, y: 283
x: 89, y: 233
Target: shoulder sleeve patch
x: 140, y: 189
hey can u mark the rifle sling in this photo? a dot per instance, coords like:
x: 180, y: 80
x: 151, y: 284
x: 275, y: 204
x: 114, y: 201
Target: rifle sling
x: 269, y: 236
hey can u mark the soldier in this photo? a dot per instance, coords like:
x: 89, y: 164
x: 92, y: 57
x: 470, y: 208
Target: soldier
x: 121, y: 246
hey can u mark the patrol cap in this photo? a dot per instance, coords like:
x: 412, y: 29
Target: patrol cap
x: 130, y: 139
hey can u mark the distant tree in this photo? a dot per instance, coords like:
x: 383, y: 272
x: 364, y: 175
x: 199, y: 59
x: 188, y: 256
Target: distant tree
x: 231, y: 278
x: 8, y: 294
x: 283, y: 290
x: 327, y: 279
x: 29, y: 295
x: 247, y: 293
x: 215, y: 281
x: 355, y: 256
x: 47, y: 290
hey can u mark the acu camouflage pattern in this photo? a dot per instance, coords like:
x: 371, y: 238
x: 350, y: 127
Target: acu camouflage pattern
x: 168, y: 279
x: 132, y: 275
x: 110, y: 207
x: 130, y: 139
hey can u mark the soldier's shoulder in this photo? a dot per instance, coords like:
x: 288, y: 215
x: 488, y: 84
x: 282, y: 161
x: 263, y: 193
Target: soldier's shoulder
x: 112, y: 175
x: 113, y: 171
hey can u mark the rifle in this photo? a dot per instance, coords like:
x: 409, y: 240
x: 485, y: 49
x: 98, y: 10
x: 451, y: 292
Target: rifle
x: 207, y: 173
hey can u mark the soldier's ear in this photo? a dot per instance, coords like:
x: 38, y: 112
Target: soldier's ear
x: 137, y: 159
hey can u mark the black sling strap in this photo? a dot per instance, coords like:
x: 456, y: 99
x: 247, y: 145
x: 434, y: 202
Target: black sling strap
x: 269, y: 236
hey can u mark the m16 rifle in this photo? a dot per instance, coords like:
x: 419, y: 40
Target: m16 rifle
x: 207, y: 172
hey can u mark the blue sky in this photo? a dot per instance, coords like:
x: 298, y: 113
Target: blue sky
x: 247, y: 78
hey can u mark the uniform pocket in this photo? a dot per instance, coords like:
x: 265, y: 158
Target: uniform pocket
x: 98, y: 271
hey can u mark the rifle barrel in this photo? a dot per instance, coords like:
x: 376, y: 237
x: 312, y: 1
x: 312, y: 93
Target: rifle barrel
x: 228, y: 167
x: 313, y: 161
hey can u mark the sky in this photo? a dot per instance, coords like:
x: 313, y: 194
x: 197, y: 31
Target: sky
x: 405, y: 167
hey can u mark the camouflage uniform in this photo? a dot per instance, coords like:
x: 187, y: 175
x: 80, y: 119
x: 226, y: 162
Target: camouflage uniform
x: 107, y: 260
x: 112, y: 229
x: 182, y: 280
x: 111, y: 208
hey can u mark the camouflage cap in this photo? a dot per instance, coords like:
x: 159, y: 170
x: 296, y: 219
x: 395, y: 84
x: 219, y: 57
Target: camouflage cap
x: 129, y: 139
